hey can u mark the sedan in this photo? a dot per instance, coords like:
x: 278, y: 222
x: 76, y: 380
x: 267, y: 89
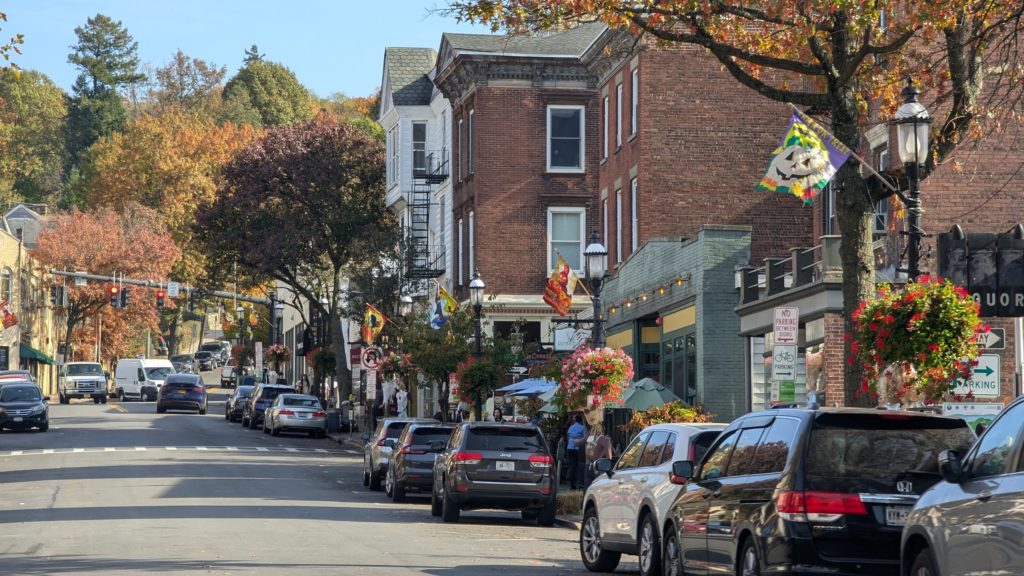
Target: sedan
x: 295, y: 413
x: 182, y: 392
x: 972, y: 522
x: 22, y: 406
x: 235, y: 404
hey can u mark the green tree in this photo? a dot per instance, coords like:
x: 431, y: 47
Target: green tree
x: 32, y: 115
x: 267, y: 94
x: 107, y: 56
x: 438, y: 353
x: 843, y: 58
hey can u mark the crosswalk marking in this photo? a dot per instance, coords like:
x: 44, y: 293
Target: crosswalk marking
x: 77, y: 450
x: 109, y: 449
x: 200, y: 447
x: 172, y: 447
x: 261, y: 449
x: 140, y: 448
x: 291, y: 449
x: 48, y: 451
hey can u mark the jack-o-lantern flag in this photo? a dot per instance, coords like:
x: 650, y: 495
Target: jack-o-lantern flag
x: 807, y: 159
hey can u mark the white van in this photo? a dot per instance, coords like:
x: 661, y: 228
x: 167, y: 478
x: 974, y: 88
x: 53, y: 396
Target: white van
x: 140, y: 377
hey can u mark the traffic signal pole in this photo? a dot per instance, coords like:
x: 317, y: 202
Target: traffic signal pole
x: 122, y: 281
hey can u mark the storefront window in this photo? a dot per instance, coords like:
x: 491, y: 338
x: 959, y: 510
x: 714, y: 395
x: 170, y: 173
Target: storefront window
x: 764, y: 392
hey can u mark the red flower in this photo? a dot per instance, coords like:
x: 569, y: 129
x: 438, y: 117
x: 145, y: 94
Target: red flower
x: 933, y: 347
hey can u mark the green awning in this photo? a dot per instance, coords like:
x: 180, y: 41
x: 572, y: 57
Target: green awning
x: 29, y: 353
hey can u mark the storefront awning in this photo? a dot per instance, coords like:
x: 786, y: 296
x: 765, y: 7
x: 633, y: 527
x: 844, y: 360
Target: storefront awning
x: 29, y: 353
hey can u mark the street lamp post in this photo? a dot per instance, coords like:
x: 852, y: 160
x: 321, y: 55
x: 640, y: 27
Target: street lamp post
x: 476, y: 296
x: 912, y: 126
x: 240, y: 312
x: 596, y: 256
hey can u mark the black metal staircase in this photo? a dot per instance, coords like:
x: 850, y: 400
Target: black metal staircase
x: 424, y: 261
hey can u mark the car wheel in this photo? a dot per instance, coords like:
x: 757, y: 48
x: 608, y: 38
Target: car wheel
x: 61, y: 398
x: 389, y: 483
x: 923, y: 564
x: 649, y: 548
x: 398, y: 492
x: 274, y: 431
x: 547, y: 514
x: 245, y: 422
x: 160, y: 409
x: 227, y: 414
x: 449, y: 509
x: 103, y: 399
x: 595, y: 557
x: 671, y: 563
x: 366, y: 473
x: 120, y: 396
x: 95, y: 399
x: 44, y: 427
x: 374, y: 479
x: 202, y: 411
x: 529, y: 515
x: 749, y: 563
x: 263, y: 426
x: 252, y: 421
x: 435, y: 503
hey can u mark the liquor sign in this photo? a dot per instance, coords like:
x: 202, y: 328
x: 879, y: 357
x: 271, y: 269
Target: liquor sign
x: 786, y: 325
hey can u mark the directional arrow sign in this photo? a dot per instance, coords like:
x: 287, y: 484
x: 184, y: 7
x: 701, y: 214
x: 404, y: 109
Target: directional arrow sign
x: 994, y: 339
x: 984, y: 380
x: 986, y: 371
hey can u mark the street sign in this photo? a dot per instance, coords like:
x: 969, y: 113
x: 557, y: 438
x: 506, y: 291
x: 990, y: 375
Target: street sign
x: 371, y: 384
x: 784, y: 363
x: 259, y: 359
x: 355, y: 354
x: 568, y: 338
x: 372, y: 357
x: 79, y: 281
x: 172, y: 289
x: 518, y: 370
x: 984, y: 380
x: 786, y: 326
x: 992, y: 340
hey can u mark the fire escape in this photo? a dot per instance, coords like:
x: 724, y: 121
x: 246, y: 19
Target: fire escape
x: 424, y: 261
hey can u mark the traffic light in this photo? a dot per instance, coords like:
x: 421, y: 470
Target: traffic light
x: 125, y: 297
x: 54, y: 295
x: 115, y: 297
x: 159, y: 299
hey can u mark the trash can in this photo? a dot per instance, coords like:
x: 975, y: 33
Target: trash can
x: 333, y: 422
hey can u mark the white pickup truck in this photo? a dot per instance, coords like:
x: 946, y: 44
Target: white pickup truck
x: 82, y: 380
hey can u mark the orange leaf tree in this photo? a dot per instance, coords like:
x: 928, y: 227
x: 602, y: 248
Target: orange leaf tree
x: 134, y: 243
x: 841, y: 57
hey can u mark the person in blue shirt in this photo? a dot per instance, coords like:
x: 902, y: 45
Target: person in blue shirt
x: 575, y: 443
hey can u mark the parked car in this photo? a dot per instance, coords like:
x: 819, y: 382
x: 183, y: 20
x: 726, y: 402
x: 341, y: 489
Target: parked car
x: 182, y: 392
x: 806, y: 491
x: 411, y: 466
x: 495, y: 465
x: 23, y: 406
x: 16, y: 376
x: 256, y: 405
x: 626, y: 506
x: 140, y: 377
x: 296, y: 413
x: 216, y: 350
x: 235, y: 404
x: 206, y: 360
x: 972, y: 522
x: 227, y: 373
x: 184, y: 363
x: 377, y: 452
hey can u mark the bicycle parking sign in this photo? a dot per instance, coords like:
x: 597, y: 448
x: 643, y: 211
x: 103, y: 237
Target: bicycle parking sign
x: 784, y: 362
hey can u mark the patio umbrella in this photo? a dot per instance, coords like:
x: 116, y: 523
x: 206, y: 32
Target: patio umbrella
x: 646, y: 394
x: 542, y: 387
x: 522, y: 385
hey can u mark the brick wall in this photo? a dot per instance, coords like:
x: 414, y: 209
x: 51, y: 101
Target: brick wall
x: 834, y: 360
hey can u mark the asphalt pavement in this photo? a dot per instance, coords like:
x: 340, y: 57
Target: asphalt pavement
x: 117, y: 489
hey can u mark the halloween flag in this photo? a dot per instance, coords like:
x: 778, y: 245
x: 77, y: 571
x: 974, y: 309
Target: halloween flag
x: 373, y: 323
x: 444, y: 306
x: 561, y: 285
x: 805, y: 161
x: 8, y: 317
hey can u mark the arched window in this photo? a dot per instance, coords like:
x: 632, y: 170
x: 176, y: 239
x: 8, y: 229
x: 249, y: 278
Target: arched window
x: 6, y: 284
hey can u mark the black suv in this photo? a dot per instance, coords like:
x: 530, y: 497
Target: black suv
x: 262, y: 397
x: 411, y: 466
x: 495, y: 465
x: 807, y: 491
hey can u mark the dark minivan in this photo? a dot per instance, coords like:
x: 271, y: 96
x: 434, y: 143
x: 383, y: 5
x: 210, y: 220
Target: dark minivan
x: 805, y: 491
x: 495, y: 465
x: 412, y: 458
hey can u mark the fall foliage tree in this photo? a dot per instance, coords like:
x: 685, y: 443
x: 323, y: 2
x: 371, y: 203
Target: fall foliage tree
x: 10, y: 46
x: 104, y: 242
x: 848, y: 60
x: 32, y: 114
x: 187, y: 84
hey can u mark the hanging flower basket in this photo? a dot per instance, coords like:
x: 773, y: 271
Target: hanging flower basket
x: 277, y: 353
x: 398, y: 366
x: 592, y: 377
x: 922, y: 338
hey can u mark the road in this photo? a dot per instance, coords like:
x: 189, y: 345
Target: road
x: 116, y: 489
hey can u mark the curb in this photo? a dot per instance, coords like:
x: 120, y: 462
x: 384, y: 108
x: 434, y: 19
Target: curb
x: 568, y: 523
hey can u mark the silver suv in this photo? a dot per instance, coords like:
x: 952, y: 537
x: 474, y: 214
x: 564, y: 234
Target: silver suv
x: 973, y: 521
x: 377, y: 450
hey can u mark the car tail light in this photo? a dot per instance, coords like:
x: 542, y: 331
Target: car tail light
x: 468, y: 457
x: 286, y: 413
x: 411, y: 450
x: 818, y: 506
x: 541, y: 461
x: 381, y: 441
x: 319, y: 414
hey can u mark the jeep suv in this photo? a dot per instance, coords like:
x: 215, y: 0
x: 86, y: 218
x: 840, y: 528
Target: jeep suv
x: 495, y: 465
x: 805, y: 491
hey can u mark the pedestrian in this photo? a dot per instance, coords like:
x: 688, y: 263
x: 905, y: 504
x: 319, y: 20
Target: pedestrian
x: 600, y: 448
x: 575, y: 436
x: 497, y: 416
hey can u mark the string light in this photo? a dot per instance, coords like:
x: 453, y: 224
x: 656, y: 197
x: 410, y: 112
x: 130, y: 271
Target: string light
x: 643, y: 296
x: 679, y: 280
x: 661, y: 290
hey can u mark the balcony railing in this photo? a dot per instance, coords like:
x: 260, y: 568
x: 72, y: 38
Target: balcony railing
x: 430, y: 165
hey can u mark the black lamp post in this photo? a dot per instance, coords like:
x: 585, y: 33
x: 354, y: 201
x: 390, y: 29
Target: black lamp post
x: 912, y: 125
x: 596, y: 256
x: 476, y: 296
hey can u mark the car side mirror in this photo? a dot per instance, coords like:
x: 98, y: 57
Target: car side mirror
x: 389, y: 443
x: 682, y: 472
x: 950, y: 467
x: 365, y: 436
x: 604, y: 466
x: 437, y: 446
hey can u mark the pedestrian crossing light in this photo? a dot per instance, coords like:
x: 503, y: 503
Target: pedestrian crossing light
x: 125, y: 298
x: 115, y: 297
x: 159, y: 299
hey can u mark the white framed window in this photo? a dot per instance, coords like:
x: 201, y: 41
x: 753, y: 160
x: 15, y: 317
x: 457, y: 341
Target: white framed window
x: 604, y: 220
x: 392, y: 156
x: 7, y: 286
x: 618, y: 226
x: 442, y: 221
x: 618, y: 116
x: 470, y: 138
x: 458, y: 263
x: 472, y: 235
x: 605, y: 141
x: 830, y: 208
x: 419, y: 147
x: 881, y: 216
x: 566, y: 236
x: 444, y: 137
x: 565, y: 138
x: 634, y: 86
x: 634, y: 203
x: 458, y: 154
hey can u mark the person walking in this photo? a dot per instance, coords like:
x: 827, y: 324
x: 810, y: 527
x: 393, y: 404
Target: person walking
x: 575, y: 437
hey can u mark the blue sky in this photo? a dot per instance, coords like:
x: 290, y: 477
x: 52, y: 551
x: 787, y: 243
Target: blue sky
x: 332, y: 46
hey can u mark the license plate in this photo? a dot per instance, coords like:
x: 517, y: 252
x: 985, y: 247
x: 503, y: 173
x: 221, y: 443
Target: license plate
x: 505, y: 466
x: 18, y: 419
x: 303, y: 415
x: 896, y: 515
x: 182, y: 392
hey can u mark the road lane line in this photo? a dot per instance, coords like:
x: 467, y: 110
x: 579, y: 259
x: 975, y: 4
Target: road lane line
x: 17, y: 453
x: 260, y: 449
x: 291, y: 449
x: 172, y: 447
x: 320, y: 451
x: 110, y: 449
x: 140, y: 448
x: 203, y: 448
x: 231, y: 449
x: 78, y: 450
x: 47, y: 451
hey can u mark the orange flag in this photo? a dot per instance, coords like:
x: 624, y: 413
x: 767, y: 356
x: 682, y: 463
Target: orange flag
x: 373, y: 323
x: 561, y: 285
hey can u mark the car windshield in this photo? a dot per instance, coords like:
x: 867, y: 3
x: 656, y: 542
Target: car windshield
x: 309, y: 402
x: 158, y: 373
x: 210, y: 347
x: 395, y: 429
x: 181, y: 358
x: 504, y: 439
x: 203, y: 354
x: 243, y: 392
x: 20, y: 394
x: 272, y: 393
x: 424, y: 436
x: 884, y: 447
x: 85, y: 370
